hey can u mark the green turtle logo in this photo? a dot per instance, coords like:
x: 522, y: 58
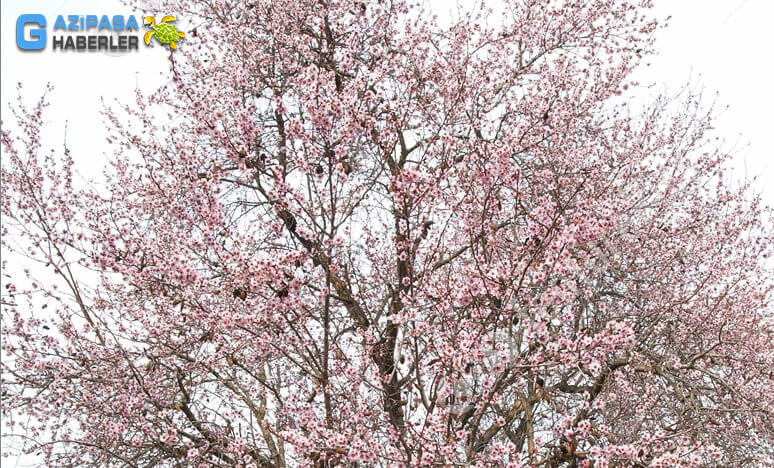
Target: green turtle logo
x: 165, y: 33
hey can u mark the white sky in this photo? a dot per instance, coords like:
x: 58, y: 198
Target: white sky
x: 723, y: 45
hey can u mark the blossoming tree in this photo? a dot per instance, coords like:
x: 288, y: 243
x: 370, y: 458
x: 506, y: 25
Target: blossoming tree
x: 348, y: 234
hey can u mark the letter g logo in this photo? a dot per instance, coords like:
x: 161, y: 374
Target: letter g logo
x: 37, y: 35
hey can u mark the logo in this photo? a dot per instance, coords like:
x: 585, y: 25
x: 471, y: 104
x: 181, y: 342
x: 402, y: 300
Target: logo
x: 37, y: 35
x: 117, y: 33
x: 164, y: 32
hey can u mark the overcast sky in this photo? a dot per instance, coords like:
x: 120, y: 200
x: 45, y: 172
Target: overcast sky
x: 722, y: 45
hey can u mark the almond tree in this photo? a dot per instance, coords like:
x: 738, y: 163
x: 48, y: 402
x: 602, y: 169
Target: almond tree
x: 348, y: 234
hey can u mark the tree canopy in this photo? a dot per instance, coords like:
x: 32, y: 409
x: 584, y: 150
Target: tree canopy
x: 350, y: 234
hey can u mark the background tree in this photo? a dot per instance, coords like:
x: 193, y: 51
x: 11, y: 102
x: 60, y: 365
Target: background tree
x: 348, y: 235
